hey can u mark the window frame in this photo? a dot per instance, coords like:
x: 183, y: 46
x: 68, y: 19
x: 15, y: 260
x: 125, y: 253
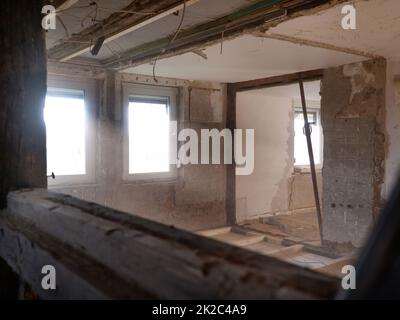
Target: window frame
x: 88, y: 88
x: 139, y: 90
x: 317, y: 110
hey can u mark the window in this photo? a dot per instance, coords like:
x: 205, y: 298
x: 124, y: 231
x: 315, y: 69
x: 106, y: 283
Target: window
x: 148, y: 141
x: 64, y: 115
x: 70, y: 131
x: 300, y: 143
x: 148, y: 134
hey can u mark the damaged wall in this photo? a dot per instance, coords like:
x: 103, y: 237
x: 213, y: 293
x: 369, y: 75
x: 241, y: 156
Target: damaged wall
x: 274, y: 186
x: 353, y: 120
x: 196, y: 198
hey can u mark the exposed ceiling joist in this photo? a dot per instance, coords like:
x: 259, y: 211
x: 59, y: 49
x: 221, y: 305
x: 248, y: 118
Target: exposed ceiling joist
x: 117, y: 25
x: 277, y: 80
x: 256, y: 17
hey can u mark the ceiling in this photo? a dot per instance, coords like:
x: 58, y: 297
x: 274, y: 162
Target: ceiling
x: 250, y: 57
x: 378, y: 28
x: 244, y: 58
x: 79, y: 17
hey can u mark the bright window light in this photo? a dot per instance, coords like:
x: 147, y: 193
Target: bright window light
x: 64, y: 115
x: 148, y: 135
x: 300, y: 142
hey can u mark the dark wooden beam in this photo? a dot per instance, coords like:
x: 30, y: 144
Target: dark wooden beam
x: 161, y: 261
x: 116, y: 25
x: 22, y: 95
x: 277, y: 80
x: 256, y: 17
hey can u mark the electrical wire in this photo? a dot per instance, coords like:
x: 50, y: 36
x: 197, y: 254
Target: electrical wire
x: 63, y: 25
x: 178, y: 29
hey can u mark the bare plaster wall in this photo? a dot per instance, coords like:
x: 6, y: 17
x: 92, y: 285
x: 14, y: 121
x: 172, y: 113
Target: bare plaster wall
x: 274, y: 186
x: 353, y: 119
x: 196, y: 198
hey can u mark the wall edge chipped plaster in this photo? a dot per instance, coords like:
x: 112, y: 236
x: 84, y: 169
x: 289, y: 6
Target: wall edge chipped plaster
x: 353, y: 118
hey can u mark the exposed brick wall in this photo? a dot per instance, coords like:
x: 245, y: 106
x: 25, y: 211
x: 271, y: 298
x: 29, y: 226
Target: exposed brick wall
x: 353, y: 119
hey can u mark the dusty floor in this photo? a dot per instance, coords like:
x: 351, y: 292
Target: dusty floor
x: 293, y: 238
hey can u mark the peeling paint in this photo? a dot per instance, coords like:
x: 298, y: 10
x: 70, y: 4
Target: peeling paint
x: 359, y: 78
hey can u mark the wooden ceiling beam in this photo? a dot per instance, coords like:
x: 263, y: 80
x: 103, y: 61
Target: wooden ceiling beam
x: 117, y: 25
x: 281, y: 80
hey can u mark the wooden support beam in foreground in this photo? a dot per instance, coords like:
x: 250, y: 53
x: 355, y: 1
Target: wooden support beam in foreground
x: 152, y: 259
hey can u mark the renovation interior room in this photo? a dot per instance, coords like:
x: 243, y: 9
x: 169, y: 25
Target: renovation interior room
x: 104, y: 175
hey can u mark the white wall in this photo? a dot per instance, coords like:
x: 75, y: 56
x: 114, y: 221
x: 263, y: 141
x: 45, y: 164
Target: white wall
x: 266, y: 189
x: 273, y: 187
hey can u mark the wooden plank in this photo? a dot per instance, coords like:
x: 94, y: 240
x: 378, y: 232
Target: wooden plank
x: 287, y: 252
x: 274, y: 240
x: 164, y: 261
x: 278, y: 80
x: 117, y: 25
x: 26, y: 249
x: 214, y: 232
x: 22, y: 94
x: 335, y: 267
x: 248, y: 240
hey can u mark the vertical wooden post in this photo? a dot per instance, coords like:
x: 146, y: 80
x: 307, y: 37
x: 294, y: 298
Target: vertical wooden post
x: 230, y: 205
x: 22, y: 94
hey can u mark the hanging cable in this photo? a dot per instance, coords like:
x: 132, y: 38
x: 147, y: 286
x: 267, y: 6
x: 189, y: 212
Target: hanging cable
x: 178, y: 29
x: 63, y: 25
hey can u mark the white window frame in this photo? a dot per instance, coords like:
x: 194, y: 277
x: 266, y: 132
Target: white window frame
x: 317, y: 110
x: 88, y: 88
x: 128, y: 90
